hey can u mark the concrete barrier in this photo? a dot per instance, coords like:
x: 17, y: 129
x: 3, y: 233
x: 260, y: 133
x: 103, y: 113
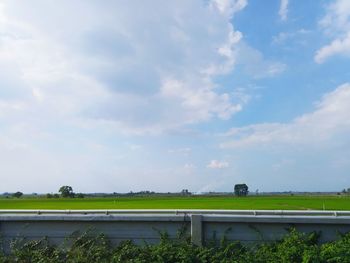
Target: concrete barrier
x: 247, y: 226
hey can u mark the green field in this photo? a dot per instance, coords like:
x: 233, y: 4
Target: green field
x: 194, y: 202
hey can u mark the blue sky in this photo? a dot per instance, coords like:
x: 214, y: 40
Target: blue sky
x: 165, y: 95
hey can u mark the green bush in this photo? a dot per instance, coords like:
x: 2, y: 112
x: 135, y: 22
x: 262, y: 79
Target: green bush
x: 90, y: 247
x: 337, y: 251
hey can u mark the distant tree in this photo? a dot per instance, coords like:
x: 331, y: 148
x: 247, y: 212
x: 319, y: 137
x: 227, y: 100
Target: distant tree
x: 56, y: 196
x: 185, y: 192
x: 80, y: 195
x: 17, y: 194
x: 66, y: 191
x: 241, y: 189
x: 346, y: 191
x: 48, y: 195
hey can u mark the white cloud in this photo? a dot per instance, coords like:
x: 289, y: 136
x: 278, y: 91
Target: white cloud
x: 306, y: 153
x: 336, y: 19
x: 184, y: 151
x: 229, y: 7
x: 200, y: 103
x: 329, y: 121
x: 76, y: 85
x: 113, y: 63
x: 337, y: 47
x: 284, y: 37
x: 256, y: 65
x: 281, y: 37
x: 336, y: 24
x: 283, y: 11
x: 215, y: 164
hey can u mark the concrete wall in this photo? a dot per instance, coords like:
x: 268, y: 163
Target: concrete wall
x: 145, y: 225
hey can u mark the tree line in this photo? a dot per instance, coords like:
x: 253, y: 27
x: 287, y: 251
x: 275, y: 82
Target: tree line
x: 66, y: 191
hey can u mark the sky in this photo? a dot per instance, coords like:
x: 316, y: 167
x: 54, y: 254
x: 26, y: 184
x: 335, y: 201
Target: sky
x: 126, y: 95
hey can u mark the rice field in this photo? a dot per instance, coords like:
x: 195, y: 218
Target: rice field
x: 283, y: 202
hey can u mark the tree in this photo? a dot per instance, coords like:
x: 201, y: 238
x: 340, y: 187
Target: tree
x: 241, y: 190
x: 17, y: 194
x: 185, y: 192
x: 346, y: 191
x: 80, y: 195
x: 66, y: 191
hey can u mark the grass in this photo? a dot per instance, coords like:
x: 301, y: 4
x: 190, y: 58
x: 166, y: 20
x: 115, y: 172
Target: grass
x: 194, y: 202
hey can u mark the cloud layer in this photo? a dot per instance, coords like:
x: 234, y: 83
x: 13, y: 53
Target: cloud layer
x: 328, y: 122
x: 131, y: 95
x: 336, y: 24
x: 283, y: 11
x: 115, y: 62
x: 216, y: 164
x: 75, y: 85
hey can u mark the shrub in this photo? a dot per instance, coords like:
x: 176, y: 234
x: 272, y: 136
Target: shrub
x: 91, y: 247
x: 337, y: 251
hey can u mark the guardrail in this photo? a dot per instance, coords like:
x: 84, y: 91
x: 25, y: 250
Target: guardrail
x: 144, y: 225
x: 177, y: 212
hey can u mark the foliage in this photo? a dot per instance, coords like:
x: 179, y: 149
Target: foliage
x: 17, y: 194
x: 338, y: 251
x: 66, y: 191
x: 79, y: 195
x: 89, y: 248
x: 92, y: 247
x: 241, y: 190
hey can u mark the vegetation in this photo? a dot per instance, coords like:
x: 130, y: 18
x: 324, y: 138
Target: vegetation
x: 48, y: 195
x: 66, y: 191
x: 17, y: 194
x: 295, y: 247
x: 79, y: 195
x: 284, y: 202
x: 346, y: 191
x: 241, y: 190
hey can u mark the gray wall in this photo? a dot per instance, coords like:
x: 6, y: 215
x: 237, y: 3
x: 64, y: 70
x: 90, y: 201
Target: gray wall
x: 145, y: 225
